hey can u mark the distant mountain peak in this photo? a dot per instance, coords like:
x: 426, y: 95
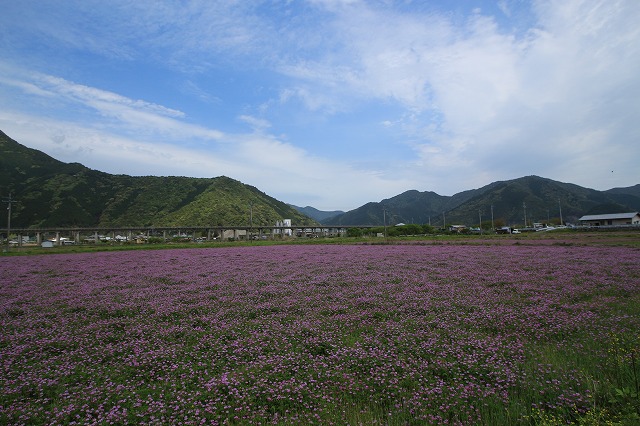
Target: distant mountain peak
x: 316, y: 214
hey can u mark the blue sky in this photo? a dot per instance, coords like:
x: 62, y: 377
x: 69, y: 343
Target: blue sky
x: 329, y: 103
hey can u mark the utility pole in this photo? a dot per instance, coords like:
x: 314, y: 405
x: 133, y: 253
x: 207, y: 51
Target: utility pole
x: 493, y: 228
x: 560, y: 206
x: 250, y: 219
x: 444, y: 222
x: 480, y: 220
x: 524, y: 206
x: 384, y: 222
x: 9, y: 201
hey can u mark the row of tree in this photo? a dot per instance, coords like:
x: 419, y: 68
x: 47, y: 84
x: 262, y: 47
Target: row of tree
x: 393, y: 231
x: 415, y: 229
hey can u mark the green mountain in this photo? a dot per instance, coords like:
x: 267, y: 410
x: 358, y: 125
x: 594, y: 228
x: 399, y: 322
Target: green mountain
x: 409, y: 207
x: 542, y: 200
x: 319, y: 215
x: 630, y: 190
x: 50, y: 193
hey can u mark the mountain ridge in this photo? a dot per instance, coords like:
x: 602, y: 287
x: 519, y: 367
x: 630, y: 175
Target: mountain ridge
x: 316, y: 214
x: 509, y: 200
x: 53, y: 193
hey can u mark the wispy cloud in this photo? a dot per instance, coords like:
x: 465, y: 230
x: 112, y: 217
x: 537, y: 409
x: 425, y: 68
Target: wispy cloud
x: 478, y: 92
x: 102, y: 100
x: 193, y: 89
x: 135, y: 115
x: 304, y: 94
x: 252, y: 156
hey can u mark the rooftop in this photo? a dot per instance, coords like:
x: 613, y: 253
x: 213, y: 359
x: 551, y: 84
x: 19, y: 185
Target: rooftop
x: 609, y: 216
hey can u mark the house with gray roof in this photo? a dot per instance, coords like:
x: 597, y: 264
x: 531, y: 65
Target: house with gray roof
x: 612, y: 219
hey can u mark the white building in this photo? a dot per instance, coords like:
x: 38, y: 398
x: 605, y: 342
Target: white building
x: 612, y: 219
x: 286, y: 225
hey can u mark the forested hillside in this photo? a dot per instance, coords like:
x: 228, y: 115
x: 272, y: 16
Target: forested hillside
x: 540, y: 199
x: 50, y: 193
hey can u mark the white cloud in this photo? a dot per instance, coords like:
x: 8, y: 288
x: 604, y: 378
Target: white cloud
x: 138, y: 116
x: 476, y: 97
x: 101, y: 100
x: 256, y: 158
x: 257, y: 124
x: 191, y: 88
x: 480, y: 95
x: 27, y: 87
x: 504, y: 7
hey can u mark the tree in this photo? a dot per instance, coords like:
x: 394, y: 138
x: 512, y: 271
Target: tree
x: 354, y: 232
x: 428, y: 229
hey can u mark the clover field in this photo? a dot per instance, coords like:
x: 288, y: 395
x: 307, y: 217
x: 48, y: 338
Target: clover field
x: 322, y: 334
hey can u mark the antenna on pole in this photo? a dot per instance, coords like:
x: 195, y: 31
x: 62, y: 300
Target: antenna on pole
x: 9, y: 201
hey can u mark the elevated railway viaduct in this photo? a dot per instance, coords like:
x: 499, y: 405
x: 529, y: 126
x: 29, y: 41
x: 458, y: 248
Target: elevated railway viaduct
x: 77, y: 235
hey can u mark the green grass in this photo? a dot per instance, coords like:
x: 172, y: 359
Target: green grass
x: 559, y: 238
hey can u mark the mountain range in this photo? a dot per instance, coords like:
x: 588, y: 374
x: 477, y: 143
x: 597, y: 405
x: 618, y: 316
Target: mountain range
x: 507, y: 202
x: 319, y: 215
x: 51, y: 193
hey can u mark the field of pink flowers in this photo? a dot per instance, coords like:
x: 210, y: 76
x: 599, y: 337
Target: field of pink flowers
x: 321, y: 334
